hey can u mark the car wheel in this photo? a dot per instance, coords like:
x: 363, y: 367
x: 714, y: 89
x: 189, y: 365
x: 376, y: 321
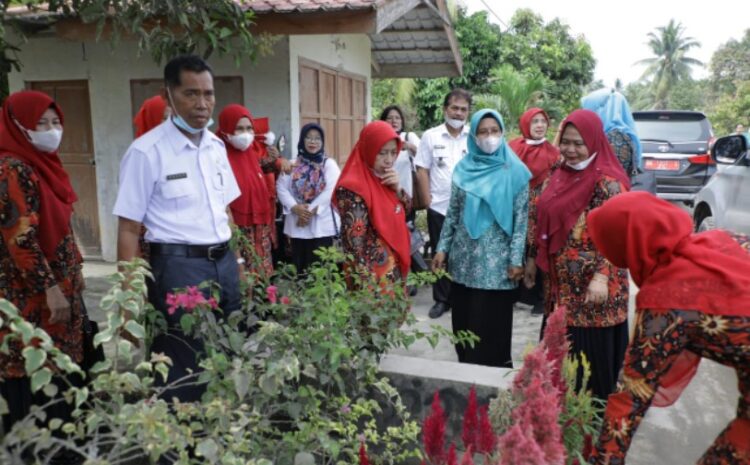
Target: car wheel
x: 707, y: 224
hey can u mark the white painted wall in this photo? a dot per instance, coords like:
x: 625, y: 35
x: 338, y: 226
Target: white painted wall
x: 344, y: 52
x: 266, y: 87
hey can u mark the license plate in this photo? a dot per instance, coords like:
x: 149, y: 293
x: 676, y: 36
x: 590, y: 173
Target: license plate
x: 667, y: 165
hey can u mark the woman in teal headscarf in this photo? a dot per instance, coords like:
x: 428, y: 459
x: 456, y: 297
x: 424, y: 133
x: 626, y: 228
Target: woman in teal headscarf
x: 619, y: 126
x: 483, y: 239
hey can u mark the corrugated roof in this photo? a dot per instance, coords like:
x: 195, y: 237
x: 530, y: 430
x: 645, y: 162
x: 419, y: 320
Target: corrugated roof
x: 307, y: 6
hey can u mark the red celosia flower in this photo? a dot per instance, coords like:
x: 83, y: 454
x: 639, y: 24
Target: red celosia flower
x: 452, y: 458
x: 433, y: 432
x: 470, y: 433
x: 468, y: 458
x: 363, y: 460
x: 487, y: 437
x: 588, y: 446
x: 285, y: 300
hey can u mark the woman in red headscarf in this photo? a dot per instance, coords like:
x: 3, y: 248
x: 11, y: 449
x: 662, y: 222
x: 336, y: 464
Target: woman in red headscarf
x: 251, y: 211
x: 371, y: 205
x: 541, y: 158
x: 151, y: 114
x: 579, y: 278
x: 40, y: 264
x: 693, y: 302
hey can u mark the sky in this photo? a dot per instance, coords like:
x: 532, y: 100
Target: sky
x: 617, y: 31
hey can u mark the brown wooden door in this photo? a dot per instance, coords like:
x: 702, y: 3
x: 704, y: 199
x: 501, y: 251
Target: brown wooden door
x: 336, y: 101
x: 228, y: 90
x: 77, y: 154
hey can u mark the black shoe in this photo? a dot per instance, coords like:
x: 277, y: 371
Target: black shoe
x: 413, y: 290
x: 438, y: 309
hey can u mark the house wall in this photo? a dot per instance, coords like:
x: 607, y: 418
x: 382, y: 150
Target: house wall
x: 344, y: 52
x: 266, y: 87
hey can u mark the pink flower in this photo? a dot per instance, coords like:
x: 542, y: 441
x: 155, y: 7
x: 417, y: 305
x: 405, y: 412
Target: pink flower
x: 213, y: 303
x: 468, y: 458
x: 556, y: 344
x: 345, y: 409
x: 285, y: 300
x: 517, y: 446
x: 271, y: 293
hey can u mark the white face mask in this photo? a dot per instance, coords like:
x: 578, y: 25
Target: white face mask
x: 582, y: 165
x: 242, y: 141
x: 489, y: 144
x: 45, y: 141
x: 454, y: 123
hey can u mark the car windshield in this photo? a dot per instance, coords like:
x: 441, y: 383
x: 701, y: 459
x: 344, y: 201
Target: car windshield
x: 672, y: 130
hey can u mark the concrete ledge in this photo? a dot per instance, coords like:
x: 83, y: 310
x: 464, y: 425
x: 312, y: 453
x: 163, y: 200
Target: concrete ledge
x: 417, y: 379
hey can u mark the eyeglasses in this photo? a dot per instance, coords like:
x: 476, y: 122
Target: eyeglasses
x: 313, y: 140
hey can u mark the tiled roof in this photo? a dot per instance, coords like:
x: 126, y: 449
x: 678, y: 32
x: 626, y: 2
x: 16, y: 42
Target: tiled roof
x: 308, y: 6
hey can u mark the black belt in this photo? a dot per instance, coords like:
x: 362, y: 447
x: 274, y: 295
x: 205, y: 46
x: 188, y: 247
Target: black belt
x: 212, y: 252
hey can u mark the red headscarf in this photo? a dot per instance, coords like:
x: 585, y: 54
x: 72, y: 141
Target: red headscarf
x: 252, y: 206
x: 56, y: 195
x: 385, y: 209
x: 673, y: 267
x: 569, y: 191
x: 538, y: 158
x: 150, y: 115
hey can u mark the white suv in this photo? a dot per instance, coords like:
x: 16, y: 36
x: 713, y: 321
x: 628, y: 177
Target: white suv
x: 724, y: 202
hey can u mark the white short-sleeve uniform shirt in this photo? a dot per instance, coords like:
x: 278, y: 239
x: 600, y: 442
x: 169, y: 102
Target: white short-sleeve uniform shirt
x: 179, y: 191
x: 440, y: 152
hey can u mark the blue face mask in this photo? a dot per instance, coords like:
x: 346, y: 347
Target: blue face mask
x: 180, y: 122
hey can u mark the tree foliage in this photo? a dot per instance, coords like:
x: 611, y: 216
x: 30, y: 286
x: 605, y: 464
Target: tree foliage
x: 162, y: 29
x: 670, y: 63
x: 730, y: 64
x: 550, y: 49
x: 515, y: 92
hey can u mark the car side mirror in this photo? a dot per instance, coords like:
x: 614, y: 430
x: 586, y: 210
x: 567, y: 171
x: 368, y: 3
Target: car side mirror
x: 728, y: 150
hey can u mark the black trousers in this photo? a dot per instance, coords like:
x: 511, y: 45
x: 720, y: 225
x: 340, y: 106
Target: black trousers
x: 441, y: 290
x: 489, y: 315
x: 605, y: 350
x: 171, y: 272
x: 303, y: 251
x: 534, y: 295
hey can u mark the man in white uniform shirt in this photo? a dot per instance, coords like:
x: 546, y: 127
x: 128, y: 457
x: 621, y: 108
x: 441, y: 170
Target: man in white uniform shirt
x: 440, y: 150
x: 177, y: 182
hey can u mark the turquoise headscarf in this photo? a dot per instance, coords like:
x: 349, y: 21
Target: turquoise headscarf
x: 491, y: 181
x: 613, y: 109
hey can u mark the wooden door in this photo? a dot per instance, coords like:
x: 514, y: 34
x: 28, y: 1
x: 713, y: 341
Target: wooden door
x: 228, y: 89
x: 336, y: 101
x: 77, y: 154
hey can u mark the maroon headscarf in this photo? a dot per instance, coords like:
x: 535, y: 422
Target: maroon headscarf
x: 383, y: 205
x: 569, y: 191
x: 539, y: 159
x: 253, y: 205
x: 56, y: 195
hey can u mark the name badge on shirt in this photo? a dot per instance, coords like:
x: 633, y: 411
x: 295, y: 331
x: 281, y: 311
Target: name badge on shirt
x: 172, y: 177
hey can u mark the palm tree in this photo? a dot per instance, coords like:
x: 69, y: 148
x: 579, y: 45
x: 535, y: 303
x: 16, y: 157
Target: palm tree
x: 670, y: 63
x: 511, y: 93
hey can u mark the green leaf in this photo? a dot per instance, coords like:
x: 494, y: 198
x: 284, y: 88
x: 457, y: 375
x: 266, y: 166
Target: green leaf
x: 100, y: 367
x: 241, y: 383
x: 55, y: 423
x: 81, y: 395
x: 40, y: 379
x: 34, y: 358
x: 224, y: 32
x: 136, y: 329
x: 3, y: 406
x: 50, y: 390
x: 208, y: 449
